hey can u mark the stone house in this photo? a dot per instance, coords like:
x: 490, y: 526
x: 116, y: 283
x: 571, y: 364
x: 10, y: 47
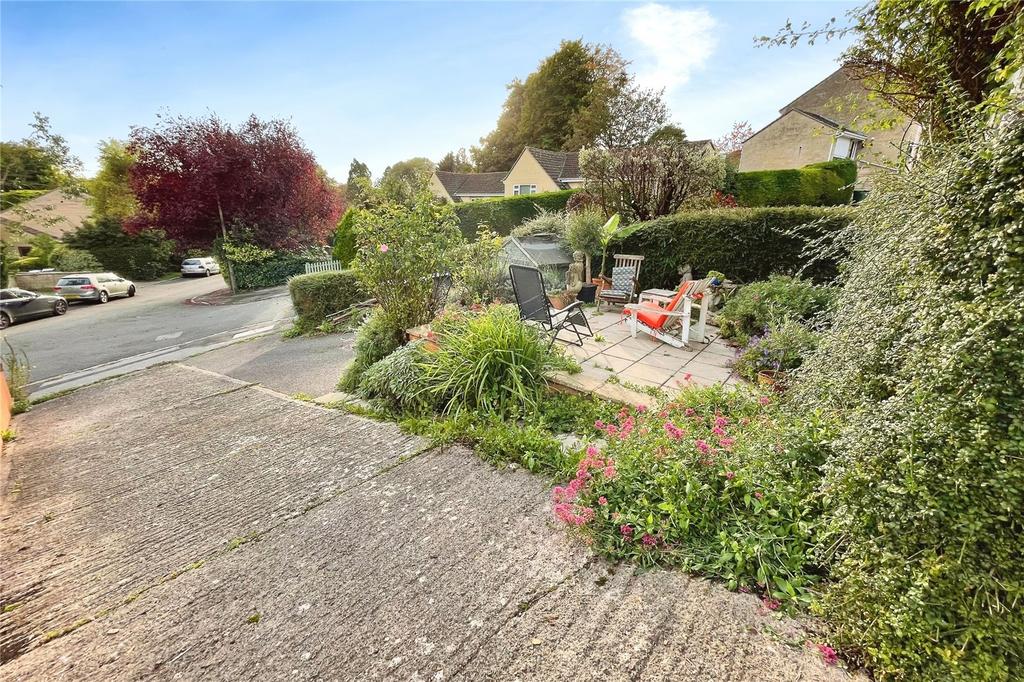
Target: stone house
x: 536, y: 170
x: 53, y: 213
x: 834, y: 119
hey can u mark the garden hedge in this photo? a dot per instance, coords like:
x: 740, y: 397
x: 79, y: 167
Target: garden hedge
x: 317, y: 295
x: 819, y: 184
x: 268, y: 273
x: 343, y: 248
x: 746, y: 244
x: 505, y: 213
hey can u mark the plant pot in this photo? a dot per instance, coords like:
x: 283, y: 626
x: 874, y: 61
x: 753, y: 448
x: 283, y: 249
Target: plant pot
x: 587, y: 294
x: 600, y: 283
x: 559, y: 301
x: 773, y: 379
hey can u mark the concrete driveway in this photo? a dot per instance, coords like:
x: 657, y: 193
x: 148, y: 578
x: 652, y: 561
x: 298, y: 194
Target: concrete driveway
x: 179, y: 524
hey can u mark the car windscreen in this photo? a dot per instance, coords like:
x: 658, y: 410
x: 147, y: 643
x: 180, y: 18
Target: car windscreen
x: 192, y: 261
x: 72, y: 281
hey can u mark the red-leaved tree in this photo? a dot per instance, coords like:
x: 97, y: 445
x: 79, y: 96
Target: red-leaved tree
x: 192, y: 175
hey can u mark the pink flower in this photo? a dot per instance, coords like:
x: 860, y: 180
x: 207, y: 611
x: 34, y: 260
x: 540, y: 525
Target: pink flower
x: 718, y: 431
x: 592, y: 451
x: 673, y: 431
x: 703, y: 446
x: 721, y: 421
x: 828, y: 654
x: 726, y: 442
x: 383, y: 248
x: 599, y: 425
x: 687, y: 377
x: 602, y: 500
x: 649, y: 540
x: 770, y: 604
x: 640, y: 409
x: 690, y: 412
x: 609, y: 472
x: 759, y: 495
x: 764, y: 400
x: 730, y: 475
x: 626, y: 530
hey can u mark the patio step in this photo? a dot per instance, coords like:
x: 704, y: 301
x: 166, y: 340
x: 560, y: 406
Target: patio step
x: 584, y: 383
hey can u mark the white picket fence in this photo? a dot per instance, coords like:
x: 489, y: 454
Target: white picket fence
x: 323, y: 266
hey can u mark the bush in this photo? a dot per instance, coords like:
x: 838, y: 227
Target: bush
x: 747, y: 244
x: 782, y: 348
x: 491, y: 362
x: 755, y: 307
x: 545, y: 222
x: 378, y: 337
x: 399, y: 381
x: 317, y: 295
x: 924, y: 366
x: 506, y: 213
x: 820, y: 184
x: 66, y: 259
x: 343, y: 249
x: 483, y: 273
x: 697, y: 485
x: 400, y: 249
x: 256, y: 267
x: 146, y: 255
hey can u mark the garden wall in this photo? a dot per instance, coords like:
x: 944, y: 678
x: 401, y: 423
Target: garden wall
x: 819, y: 184
x: 746, y: 244
x: 504, y: 214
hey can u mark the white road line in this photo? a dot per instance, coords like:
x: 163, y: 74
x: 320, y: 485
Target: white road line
x: 252, y: 332
x: 168, y: 337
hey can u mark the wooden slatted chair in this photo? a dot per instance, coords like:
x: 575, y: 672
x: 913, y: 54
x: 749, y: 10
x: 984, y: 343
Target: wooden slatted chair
x: 625, y: 276
x: 655, y: 319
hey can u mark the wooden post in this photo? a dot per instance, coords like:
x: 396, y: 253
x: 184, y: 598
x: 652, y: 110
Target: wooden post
x: 224, y: 234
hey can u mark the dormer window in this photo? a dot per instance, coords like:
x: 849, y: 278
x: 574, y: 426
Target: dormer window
x: 845, y: 147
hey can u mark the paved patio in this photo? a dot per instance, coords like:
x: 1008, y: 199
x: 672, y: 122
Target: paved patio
x: 644, y: 362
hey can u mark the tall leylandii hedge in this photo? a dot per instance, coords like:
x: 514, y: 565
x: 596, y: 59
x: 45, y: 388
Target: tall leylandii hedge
x: 819, y: 184
x: 924, y: 365
x: 746, y: 244
x: 504, y: 214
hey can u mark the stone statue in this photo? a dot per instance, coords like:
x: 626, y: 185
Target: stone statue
x: 574, y: 278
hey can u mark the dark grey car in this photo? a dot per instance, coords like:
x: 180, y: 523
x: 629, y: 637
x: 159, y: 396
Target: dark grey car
x: 18, y: 305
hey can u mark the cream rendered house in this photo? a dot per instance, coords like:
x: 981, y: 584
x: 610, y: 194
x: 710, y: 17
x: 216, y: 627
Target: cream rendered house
x: 833, y: 120
x: 535, y: 171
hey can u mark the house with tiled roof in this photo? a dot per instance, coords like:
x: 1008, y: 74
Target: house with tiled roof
x: 835, y: 119
x: 536, y: 170
x: 55, y: 214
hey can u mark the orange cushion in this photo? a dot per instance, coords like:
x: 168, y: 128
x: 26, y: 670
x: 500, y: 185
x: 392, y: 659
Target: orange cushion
x: 651, y: 314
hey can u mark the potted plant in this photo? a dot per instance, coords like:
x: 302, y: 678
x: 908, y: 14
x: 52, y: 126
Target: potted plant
x: 613, y: 229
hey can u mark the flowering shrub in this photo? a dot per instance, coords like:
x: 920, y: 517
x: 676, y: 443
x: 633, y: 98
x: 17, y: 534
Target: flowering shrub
x: 695, y: 484
x: 782, y: 347
x: 758, y: 305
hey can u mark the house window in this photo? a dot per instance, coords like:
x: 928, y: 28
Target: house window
x: 524, y: 189
x: 845, y: 148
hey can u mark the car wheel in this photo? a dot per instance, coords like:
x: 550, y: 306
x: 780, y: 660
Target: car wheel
x: 131, y: 291
x: 104, y: 297
x: 207, y: 273
x: 5, y: 320
x: 60, y: 307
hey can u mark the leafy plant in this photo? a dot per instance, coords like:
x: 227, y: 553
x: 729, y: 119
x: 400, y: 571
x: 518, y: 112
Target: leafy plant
x: 399, y: 381
x: 756, y: 306
x: 584, y: 232
x: 782, y: 347
x: 18, y: 372
x: 491, y: 362
x: 820, y: 184
x: 506, y: 213
x: 318, y: 294
x: 545, y: 222
x: 378, y: 337
x: 482, y: 269
x: 145, y: 255
x: 343, y: 249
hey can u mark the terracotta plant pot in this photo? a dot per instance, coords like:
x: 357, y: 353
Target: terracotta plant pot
x: 773, y: 379
x: 559, y: 301
x: 601, y: 283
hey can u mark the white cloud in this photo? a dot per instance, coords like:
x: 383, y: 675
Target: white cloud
x: 672, y: 43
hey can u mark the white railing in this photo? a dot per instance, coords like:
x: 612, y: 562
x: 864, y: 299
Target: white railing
x: 323, y: 266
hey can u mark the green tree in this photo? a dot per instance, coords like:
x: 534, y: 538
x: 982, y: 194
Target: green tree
x: 109, y: 192
x: 356, y: 187
x: 403, y: 181
x: 671, y: 134
x: 25, y: 166
x: 565, y: 104
x: 145, y: 255
x: 455, y: 162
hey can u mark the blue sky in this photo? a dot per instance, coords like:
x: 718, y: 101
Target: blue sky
x: 380, y: 81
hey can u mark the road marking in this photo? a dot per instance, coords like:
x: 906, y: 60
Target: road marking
x: 252, y: 331
x: 168, y: 337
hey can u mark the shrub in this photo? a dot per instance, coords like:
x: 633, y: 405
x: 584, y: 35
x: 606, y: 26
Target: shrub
x: 17, y: 371
x: 66, y: 259
x: 506, y: 213
x: 483, y: 273
x: 343, y: 249
x: 821, y: 184
x: 923, y: 364
x: 29, y: 263
x: 783, y: 347
x: 756, y: 306
x: 583, y: 233
x: 545, y: 222
x: 696, y: 485
x: 10, y: 198
x: 747, y: 244
x: 256, y: 267
x: 400, y: 249
x: 144, y: 256
x: 398, y: 381
x: 491, y: 362
x: 378, y: 337
x: 318, y: 294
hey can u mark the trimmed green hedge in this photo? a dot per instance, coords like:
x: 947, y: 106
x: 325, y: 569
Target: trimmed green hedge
x: 819, y: 184
x: 505, y: 213
x: 268, y: 273
x: 343, y: 249
x: 746, y: 244
x: 317, y: 295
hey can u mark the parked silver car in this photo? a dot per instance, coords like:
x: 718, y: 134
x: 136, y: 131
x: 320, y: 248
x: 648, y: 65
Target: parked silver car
x: 97, y: 287
x: 203, y: 267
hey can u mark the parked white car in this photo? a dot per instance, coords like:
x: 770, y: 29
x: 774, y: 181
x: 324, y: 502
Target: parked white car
x: 199, y: 266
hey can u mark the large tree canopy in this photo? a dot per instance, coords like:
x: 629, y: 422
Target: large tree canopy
x: 43, y: 160
x: 579, y: 96
x: 259, y: 176
x: 110, y: 192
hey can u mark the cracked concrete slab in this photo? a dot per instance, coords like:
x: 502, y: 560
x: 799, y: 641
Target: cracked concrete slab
x: 357, y: 554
